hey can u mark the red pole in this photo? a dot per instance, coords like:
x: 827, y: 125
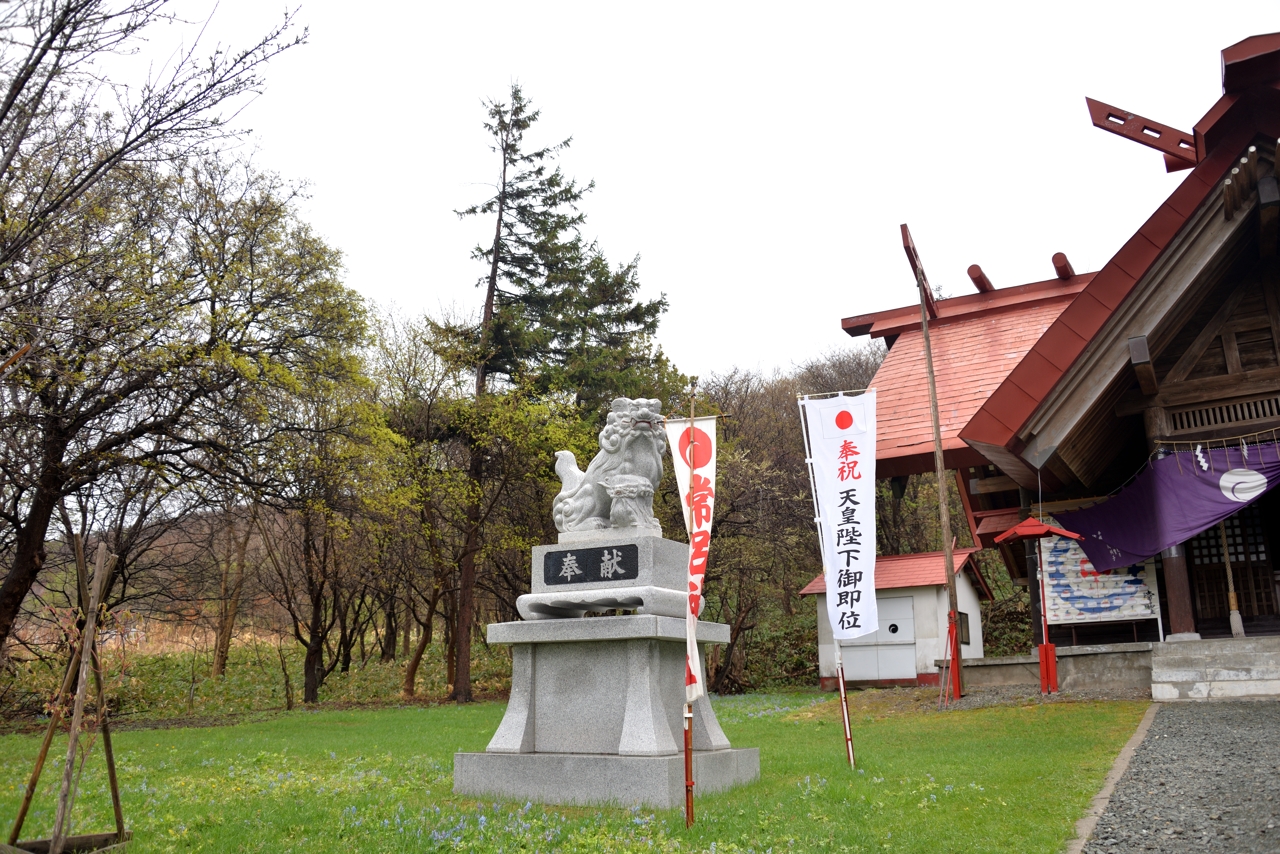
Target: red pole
x: 688, y: 764
x: 944, y: 680
x: 953, y: 637
x: 1048, y: 652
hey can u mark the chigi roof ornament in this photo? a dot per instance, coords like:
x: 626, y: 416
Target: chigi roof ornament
x: 1247, y: 64
x: 1179, y: 147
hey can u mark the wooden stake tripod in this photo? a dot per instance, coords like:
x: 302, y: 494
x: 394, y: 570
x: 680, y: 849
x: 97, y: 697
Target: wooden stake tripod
x: 78, y: 671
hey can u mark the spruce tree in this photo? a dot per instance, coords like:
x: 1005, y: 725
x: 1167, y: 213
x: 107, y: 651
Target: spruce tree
x: 557, y: 318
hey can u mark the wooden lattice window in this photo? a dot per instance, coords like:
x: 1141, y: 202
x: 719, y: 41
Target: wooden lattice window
x: 1220, y: 414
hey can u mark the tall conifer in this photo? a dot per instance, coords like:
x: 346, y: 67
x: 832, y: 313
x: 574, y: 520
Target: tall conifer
x: 557, y: 318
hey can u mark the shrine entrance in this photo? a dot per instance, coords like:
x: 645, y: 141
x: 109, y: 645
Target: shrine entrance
x: 1253, y: 572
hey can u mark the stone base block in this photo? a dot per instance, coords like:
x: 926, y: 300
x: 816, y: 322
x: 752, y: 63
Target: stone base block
x: 656, y: 782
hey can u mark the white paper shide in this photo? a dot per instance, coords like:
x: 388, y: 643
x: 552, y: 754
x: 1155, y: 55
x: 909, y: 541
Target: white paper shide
x: 842, y: 446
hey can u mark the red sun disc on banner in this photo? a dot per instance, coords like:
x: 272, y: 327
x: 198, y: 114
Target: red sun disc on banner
x: 844, y: 420
x: 702, y: 447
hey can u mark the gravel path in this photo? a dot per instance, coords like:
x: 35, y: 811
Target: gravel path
x: 1205, y: 779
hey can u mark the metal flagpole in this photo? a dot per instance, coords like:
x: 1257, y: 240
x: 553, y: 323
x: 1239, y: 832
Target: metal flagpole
x: 688, y: 706
x: 822, y: 550
x: 944, y: 510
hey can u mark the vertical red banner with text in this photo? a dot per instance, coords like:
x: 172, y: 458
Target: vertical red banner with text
x: 693, y: 453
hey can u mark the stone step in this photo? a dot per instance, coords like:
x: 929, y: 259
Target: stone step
x: 1219, y: 668
x: 1211, y: 690
x: 1189, y: 662
x: 1225, y: 646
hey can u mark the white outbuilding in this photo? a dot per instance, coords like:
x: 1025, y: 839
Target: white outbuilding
x: 911, y: 592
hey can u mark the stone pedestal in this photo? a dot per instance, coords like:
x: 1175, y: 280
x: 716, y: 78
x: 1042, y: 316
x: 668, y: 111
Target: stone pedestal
x: 595, y: 716
x: 656, y: 782
x: 594, y: 571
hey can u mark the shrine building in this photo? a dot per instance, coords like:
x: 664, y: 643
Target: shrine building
x: 1137, y: 405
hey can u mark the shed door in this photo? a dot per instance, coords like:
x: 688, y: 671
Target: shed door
x: 897, y: 649
x: 889, y: 652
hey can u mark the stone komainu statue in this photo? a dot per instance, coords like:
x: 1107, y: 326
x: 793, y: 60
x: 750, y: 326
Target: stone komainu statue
x: 616, y: 491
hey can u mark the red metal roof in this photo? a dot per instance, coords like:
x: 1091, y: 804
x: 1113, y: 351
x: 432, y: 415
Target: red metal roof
x: 977, y: 340
x: 885, y: 324
x: 926, y: 569
x: 1029, y: 351
x: 1023, y: 340
x: 994, y: 427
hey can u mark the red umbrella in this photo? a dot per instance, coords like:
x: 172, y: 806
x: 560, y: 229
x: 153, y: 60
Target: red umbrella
x: 1033, y: 529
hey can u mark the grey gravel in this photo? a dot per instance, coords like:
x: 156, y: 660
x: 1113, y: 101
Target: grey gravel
x: 1205, y: 779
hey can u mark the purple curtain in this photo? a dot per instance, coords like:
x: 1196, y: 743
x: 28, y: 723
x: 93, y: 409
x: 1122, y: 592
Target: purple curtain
x: 1172, y: 500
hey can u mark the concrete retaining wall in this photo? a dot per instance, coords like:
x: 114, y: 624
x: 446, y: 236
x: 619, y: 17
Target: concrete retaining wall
x: 1106, y: 667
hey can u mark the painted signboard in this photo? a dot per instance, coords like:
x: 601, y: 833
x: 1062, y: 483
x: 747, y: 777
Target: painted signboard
x: 1077, y: 592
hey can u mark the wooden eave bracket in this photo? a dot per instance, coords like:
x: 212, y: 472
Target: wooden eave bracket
x: 1140, y: 358
x: 1178, y: 147
x: 1268, y: 215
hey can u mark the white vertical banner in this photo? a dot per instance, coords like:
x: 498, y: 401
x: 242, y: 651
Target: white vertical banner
x: 842, y: 460
x: 693, y: 455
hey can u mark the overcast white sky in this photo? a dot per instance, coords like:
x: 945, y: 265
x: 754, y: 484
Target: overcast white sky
x: 759, y: 158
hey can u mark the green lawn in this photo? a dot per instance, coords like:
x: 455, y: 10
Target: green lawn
x: 999, y: 779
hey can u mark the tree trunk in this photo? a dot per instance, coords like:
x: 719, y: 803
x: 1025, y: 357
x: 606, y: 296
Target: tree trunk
x: 389, y: 630
x: 28, y: 555
x: 415, y: 659
x: 467, y: 589
x: 345, y: 638
x: 467, y: 571
x: 411, y: 666
x: 450, y: 632
x: 229, y: 604
x: 312, y: 671
x: 313, y: 664
x: 288, y: 685
x: 407, y: 622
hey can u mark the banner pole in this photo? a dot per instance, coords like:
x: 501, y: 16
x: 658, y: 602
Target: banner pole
x: 844, y: 707
x: 688, y: 706
x: 822, y: 551
x: 944, y: 510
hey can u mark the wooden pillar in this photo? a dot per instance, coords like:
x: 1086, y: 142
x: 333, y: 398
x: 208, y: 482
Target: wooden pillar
x: 1156, y: 422
x: 1177, y: 587
x: 1177, y: 590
